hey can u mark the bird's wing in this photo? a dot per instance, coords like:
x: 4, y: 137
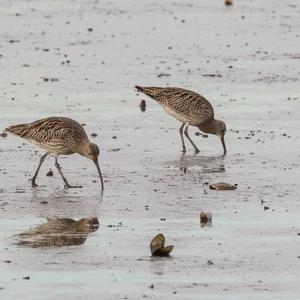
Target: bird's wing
x: 50, y: 129
x: 182, y: 101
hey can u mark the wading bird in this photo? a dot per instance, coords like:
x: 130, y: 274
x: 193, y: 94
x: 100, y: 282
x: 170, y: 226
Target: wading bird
x: 189, y: 108
x: 58, y: 136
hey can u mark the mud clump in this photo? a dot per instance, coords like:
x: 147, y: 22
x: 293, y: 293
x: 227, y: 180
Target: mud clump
x: 205, y: 219
x: 228, y: 2
x: 49, y: 173
x: 143, y: 105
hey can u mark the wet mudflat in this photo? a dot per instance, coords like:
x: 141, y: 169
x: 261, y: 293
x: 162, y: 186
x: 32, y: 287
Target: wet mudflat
x: 82, y: 60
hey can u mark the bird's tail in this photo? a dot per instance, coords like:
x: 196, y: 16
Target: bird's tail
x: 19, y: 130
x: 139, y: 88
x: 149, y: 91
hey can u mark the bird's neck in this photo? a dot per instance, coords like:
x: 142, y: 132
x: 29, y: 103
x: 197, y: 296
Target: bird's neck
x: 84, y: 148
x: 210, y: 127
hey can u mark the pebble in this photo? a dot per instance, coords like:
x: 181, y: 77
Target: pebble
x: 49, y: 173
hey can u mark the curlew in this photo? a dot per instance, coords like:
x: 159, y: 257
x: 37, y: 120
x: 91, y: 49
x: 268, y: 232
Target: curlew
x: 189, y: 108
x: 58, y: 136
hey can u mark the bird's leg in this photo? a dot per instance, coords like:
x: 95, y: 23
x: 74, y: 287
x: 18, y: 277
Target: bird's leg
x: 188, y: 137
x: 33, y: 184
x: 67, y: 185
x: 182, y: 139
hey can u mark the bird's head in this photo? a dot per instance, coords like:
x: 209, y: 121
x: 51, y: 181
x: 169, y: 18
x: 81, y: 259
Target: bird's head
x: 217, y: 128
x: 93, y: 152
x: 220, y: 132
x: 220, y: 128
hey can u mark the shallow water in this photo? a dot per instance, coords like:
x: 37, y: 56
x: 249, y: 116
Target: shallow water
x: 149, y: 186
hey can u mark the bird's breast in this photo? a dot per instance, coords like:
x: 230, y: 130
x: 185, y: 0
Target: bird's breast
x: 183, y: 118
x: 54, y: 147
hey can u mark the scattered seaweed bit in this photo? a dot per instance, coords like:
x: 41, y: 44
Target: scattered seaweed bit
x: 157, y: 246
x: 46, y: 79
x: 143, y: 105
x: 262, y: 201
x: 114, y: 150
x: 228, y: 2
x: 205, y: 219
x: 211, y: 75
x: 49, y: 173
x: 201, y: 134
x: 222, y: 186
x: 13, y: 41
x: 26, y: 277
x: 3, y: 134
x: 94, y: 134
x: 163, y: 75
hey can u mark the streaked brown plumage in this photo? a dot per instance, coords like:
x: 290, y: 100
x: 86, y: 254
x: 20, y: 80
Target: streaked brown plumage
x: 189, y: 108
x: 58, y: 135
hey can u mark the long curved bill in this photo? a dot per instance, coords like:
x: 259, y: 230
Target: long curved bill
x: 223, y: 144
x: 99, y: 172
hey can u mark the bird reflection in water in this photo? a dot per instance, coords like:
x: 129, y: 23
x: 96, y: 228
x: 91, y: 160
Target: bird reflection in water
x: 58, y: 232
x: 206, y: 164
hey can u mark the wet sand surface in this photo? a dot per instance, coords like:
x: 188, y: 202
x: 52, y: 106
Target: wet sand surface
x: 81, y: 59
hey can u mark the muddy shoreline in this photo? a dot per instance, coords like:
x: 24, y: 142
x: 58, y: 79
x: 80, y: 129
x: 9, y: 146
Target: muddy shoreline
x: 82, y: 60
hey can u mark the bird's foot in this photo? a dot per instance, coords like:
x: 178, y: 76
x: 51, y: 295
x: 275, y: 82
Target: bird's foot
x: 68, y: 186
x: 33, y: 184
x: 183, y: 150
x: 197, y: 151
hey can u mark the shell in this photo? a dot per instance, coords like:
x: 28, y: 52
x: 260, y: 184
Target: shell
x: 222, y: 186
x: 157, y: 246
x: 157, y: 243
x: 164, y: 251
